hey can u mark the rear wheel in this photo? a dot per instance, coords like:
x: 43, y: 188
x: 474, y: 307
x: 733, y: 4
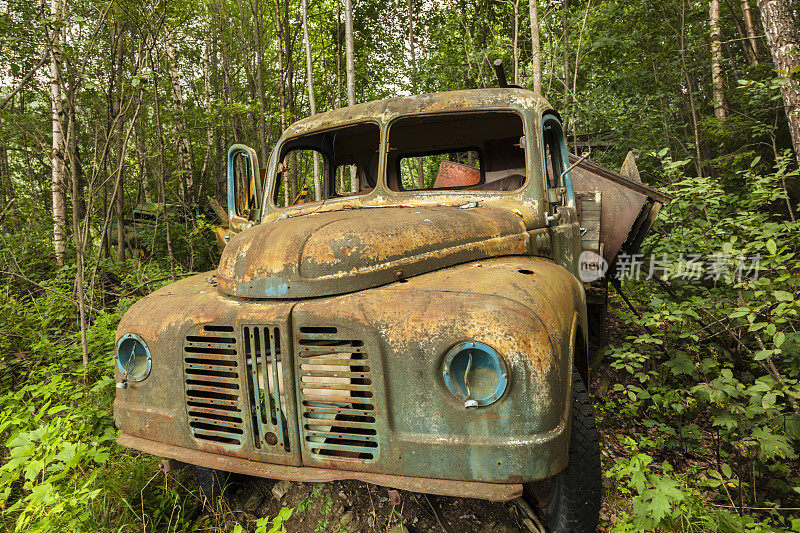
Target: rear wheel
x: 570, y: 501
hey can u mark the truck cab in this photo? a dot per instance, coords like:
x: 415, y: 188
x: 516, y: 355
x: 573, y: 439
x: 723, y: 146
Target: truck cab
x: 400, y: 302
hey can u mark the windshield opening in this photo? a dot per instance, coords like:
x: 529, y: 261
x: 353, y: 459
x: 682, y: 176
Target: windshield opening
x: 473, y: 151
x: 330, y: 164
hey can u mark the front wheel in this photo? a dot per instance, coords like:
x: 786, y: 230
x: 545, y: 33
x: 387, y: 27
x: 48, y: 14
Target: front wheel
x: 570, y: 501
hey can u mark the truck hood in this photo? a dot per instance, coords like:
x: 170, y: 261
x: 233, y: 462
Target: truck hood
x: 342, y: 251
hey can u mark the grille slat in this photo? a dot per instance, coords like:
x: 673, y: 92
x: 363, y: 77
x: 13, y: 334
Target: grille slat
x: 211, y: 380
x: 266, y: 386
x: 338, y: 411
x: 321, y: 385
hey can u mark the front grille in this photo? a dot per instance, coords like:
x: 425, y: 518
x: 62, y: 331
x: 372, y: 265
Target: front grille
x: 337, y: 405
x: 211, y: 377
x: 266, y: 386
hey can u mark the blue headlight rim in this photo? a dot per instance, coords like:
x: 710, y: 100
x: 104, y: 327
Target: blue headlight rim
x: 133, y: 377
x: 455, y: 388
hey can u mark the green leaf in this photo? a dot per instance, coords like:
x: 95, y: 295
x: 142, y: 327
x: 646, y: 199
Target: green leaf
x: 768, y: 400
x: 778, y: 339
x: 783, y: 296
x: 771, y: 247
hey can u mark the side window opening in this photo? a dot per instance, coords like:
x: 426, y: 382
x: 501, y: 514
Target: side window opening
x: 553, y: 157
x: 346, y: 161
x: 555, y: 161
x: 473, y: 151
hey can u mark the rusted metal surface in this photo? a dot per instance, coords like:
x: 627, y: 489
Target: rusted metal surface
x: 523, y: 307
x: 317, y: 349
x: 344, y: 251
x: 626, y: 204
x: 498, y: 492
x: 456, y: 175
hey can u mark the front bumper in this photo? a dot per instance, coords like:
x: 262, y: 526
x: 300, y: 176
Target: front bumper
x: 498, y: 492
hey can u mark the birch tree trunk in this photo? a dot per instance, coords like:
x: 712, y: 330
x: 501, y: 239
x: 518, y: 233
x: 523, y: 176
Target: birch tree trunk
x: 311, y: 100
x: 537, y: 49
x: 339, y: 75
x: 57, y: 154
x: 717, y: 78
x: 783, y: 40
x: 350, y: 68
x: 515, y: 40
x: 750, y: 27
x: 184, y: 154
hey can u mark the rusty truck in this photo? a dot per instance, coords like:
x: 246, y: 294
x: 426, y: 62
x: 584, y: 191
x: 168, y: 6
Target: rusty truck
x: 420, y: 321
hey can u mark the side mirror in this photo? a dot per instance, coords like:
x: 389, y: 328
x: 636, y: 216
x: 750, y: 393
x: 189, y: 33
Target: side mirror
x: 244, y: 187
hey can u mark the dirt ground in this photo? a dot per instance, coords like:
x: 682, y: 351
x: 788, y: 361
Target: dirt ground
x: 354, y: 506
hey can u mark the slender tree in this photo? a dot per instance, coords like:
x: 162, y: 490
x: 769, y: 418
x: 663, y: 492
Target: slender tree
x: 162, y: 179
x: 184, y: 152
x: 262, y: 99
x: 750, y: 27
x: 120, y: 186
x: 350, y: 68
x: 57, y: 154
x: 210, y: 126
x: 537, y: 49
x: 717, y: 78
x: 311, y: 99
x: 280, y: 30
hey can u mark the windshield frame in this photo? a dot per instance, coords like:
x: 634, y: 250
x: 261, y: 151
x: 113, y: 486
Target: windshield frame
x: 529, y: 196
x: 275, y: 158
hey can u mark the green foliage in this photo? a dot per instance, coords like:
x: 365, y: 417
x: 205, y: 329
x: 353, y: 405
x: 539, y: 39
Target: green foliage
x: 278, y: 525
x: 711, y: 368
x: 59, y: 460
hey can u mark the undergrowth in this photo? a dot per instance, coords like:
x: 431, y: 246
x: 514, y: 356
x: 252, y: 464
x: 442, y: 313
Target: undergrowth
x: 700, y: 390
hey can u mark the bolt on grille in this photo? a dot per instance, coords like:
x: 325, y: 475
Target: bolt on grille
x: 211, y: 379
x: 338, y: 409
x: 266, y: 389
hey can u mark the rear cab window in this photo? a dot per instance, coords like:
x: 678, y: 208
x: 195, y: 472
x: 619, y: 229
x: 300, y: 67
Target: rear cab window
x: 478, y: 151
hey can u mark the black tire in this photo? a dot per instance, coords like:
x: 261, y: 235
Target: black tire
x: 212, y: 483
x: 572, y: 504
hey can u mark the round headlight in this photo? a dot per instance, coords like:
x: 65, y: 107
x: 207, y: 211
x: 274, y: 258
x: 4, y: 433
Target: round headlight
x: 475, y: 373
x: 133, y: 357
